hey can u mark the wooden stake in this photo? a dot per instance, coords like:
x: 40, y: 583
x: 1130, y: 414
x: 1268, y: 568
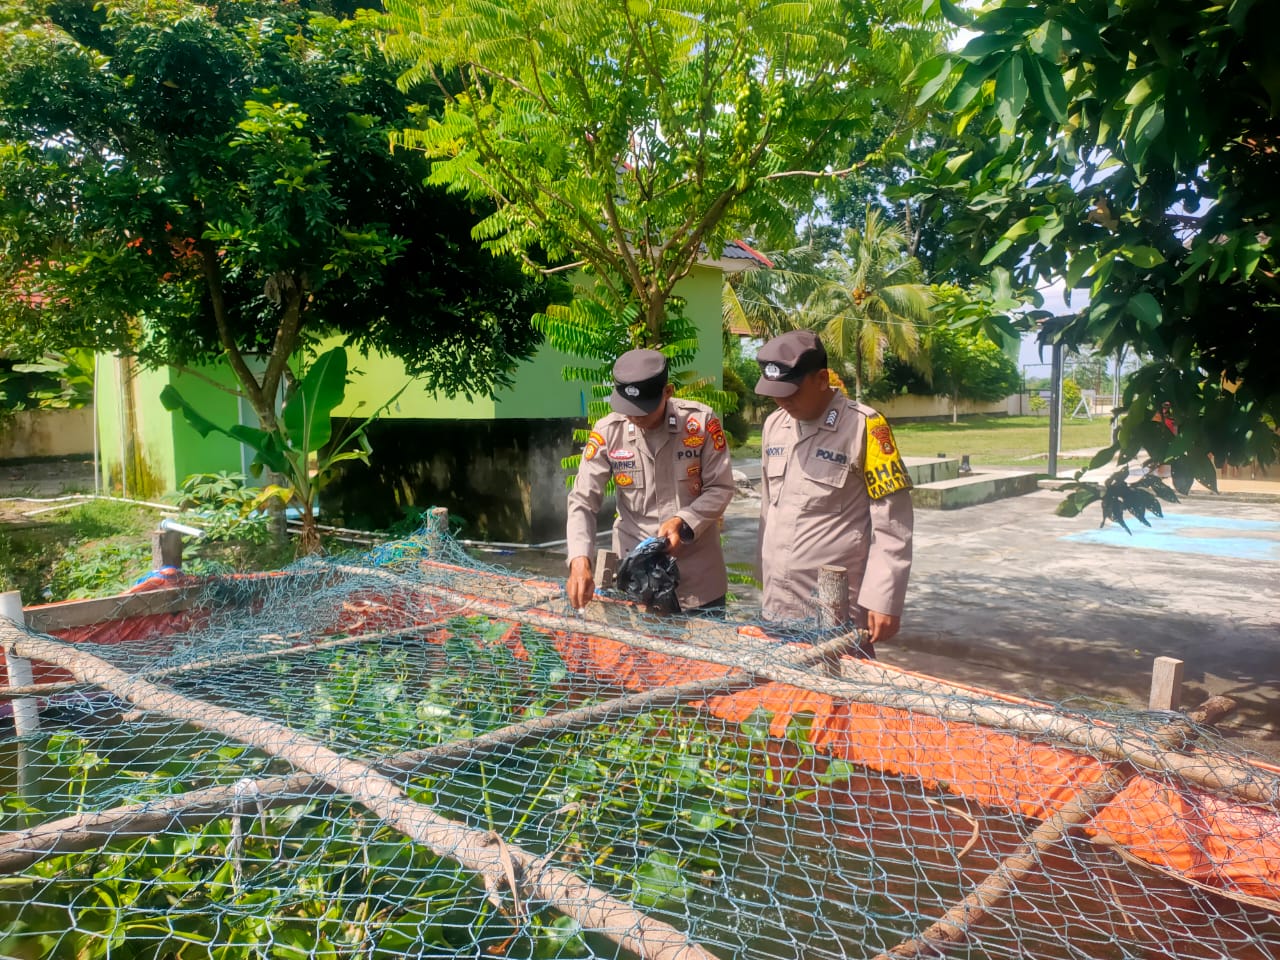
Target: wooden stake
x: 1166, y: 684
x: 166, y: 549
x: 606, y: 568
x: 833, y: 597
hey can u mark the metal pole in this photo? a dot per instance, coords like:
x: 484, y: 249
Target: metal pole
x: 1055, y: 409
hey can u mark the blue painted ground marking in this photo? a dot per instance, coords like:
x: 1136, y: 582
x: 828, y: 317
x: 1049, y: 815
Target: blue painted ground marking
x: 1181, y: 533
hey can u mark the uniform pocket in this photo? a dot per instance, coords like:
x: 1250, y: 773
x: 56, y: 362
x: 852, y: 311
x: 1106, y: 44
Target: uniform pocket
x: 822, y: 485
x: 629, y: 481
x: 775, y: 469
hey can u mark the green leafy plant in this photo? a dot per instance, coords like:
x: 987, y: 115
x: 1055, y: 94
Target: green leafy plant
x: 98, y: 569
x: 225, y: 504
x: 301, y: 448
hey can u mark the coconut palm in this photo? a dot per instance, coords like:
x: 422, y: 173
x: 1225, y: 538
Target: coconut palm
x: 767, y: 302
x: 873, y: 303
x: 865, y: 299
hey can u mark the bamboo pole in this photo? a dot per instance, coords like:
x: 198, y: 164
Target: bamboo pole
x: 476, y: 850
x: 19, y: 849
x: 1000, y: 884
x: 47, y: 689
x: 1217, y: 774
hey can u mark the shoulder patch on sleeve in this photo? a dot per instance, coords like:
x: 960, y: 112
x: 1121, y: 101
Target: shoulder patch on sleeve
x: 883, y: 468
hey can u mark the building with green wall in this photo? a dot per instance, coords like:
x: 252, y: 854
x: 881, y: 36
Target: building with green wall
x: 494, y: 462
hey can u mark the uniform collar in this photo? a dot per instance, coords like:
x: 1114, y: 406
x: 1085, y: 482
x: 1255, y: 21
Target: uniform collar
x: 828, y: 420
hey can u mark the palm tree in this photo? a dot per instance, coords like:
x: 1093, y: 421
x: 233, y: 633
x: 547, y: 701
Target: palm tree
x: 767, y: 302
x: 873, y: 303
x: 865, y: 299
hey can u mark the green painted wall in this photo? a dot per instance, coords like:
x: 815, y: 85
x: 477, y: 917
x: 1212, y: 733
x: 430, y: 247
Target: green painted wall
x: 191, y: 452
x: 540, y: 391
x: 135, y: 442
x: 164, y: 448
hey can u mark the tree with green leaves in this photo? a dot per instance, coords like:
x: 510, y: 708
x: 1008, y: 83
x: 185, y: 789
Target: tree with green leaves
x: 632, y: 139
x: 874, y: 302
x: 965, y: 363
x: 187, y: 184
x: 1131, y: 149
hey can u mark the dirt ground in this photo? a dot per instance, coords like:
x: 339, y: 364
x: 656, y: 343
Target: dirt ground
x: 23, y: 483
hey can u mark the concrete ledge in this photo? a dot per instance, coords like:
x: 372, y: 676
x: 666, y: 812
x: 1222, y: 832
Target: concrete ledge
x: 924, y: 470
x: 973, y: 489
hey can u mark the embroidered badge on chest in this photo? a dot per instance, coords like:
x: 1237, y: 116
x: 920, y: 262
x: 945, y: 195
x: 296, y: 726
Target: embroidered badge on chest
x: 622, y: 453
x: 692, y: 425
x: 694, y: 441
x: 623, y: 479
x: 694, y: 469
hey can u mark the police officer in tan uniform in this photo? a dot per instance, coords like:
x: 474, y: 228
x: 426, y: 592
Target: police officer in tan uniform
x: 833, y: 491
x: 670, y: 466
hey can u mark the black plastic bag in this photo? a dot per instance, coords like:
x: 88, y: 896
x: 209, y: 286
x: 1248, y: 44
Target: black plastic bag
x: 649, y: 575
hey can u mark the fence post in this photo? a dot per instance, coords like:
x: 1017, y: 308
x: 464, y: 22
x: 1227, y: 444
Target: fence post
x: 26, y: 713
x: 1166, y: 684
x: 166, y: 549
x: 606, y: 568
x: 833, y: 597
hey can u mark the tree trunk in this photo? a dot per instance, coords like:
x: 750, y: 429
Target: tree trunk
x: 955, y: 406
x: 655, y: 315
x: 309, y: 539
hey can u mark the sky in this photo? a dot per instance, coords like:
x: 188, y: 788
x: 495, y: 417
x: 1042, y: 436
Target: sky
x: 1029, y: 355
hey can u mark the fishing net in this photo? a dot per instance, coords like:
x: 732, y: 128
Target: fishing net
x: 409, y: 754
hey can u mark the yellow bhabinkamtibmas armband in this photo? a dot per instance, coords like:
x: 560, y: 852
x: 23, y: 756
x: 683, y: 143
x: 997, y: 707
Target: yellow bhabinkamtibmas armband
x: 883, y: 469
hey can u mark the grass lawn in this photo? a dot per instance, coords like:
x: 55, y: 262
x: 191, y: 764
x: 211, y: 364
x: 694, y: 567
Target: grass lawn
x: 1003, y: 441
x: 989, y: 441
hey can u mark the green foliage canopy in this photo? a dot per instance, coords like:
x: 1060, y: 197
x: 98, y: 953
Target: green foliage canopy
x: 188, y: 182
x: 634, y: 137
x: 1132, y: 149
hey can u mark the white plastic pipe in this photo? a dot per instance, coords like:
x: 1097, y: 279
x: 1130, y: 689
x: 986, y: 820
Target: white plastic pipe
x: 182, y: 528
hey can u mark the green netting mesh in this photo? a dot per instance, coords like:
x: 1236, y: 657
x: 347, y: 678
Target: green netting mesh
x: 409, y: 755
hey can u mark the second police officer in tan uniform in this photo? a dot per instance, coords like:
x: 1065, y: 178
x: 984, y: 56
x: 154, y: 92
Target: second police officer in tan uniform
x: 834, y: 491
x: 669, y: 461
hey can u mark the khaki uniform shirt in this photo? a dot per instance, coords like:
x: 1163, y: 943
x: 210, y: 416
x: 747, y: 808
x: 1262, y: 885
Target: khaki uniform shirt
x: 680, y: 469
x: 827, y: 497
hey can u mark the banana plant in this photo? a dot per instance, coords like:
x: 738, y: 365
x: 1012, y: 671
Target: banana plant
x: 301, y: 448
